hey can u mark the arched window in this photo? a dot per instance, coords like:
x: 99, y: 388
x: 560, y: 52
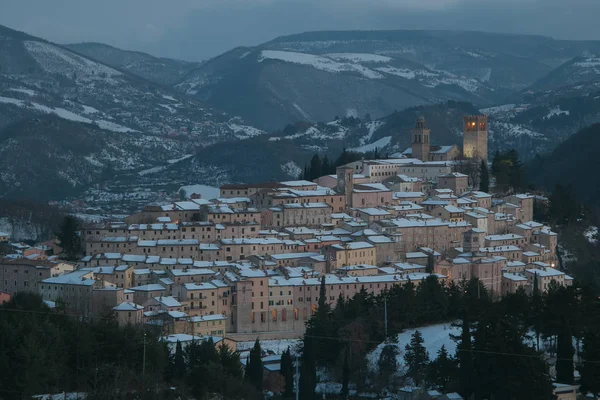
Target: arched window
x: 296, y: 313
x: 274, y: 315
x: 284, y: 314
x: 314, y: 309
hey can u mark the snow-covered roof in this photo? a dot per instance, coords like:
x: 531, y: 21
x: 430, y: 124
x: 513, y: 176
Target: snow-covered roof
x: 128, y: 306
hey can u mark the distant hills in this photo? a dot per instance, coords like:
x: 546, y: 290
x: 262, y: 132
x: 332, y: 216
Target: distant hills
x: 114, y: 127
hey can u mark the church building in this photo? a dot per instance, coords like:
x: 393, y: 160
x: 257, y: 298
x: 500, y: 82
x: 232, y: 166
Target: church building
x: 475, y: 136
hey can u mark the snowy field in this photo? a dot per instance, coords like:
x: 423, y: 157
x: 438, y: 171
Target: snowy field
x: 434, y: 337
x: 206, y: 192
x: 379, y: 144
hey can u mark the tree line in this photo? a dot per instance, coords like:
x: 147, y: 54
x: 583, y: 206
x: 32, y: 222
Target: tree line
x: 499, y: 349
x: 321, y: 165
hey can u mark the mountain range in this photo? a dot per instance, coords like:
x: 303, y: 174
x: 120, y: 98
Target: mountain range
x: 112, y: 126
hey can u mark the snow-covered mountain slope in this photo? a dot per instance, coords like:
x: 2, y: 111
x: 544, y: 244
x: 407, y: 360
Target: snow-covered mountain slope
x: 316, y: 76
x: 161, y: 70
x: 49, y: 93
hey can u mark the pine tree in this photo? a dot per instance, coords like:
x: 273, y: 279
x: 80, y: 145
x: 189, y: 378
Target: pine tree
x: 416, y: 358
x: 254, y: 367
x: 287, y: 370
x: 387, y: 364
x: 484, y: 177
x: 442, y: 370
x: 345, y: 375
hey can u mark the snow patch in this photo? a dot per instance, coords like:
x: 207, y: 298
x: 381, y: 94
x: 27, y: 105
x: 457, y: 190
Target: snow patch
x: 384, y: 141
x: 205, y: 192
x: 318, y: 62
x: 245, y: 131
x: 591, y: 234
x: 498, y: 109
x: 28, y: 92
x: 589, y: 63
x: 176, y: 160
x: 89, y: 110
x: 291, y: 168
x: 301, y: 111
x: 111, y: 126
x: 164, y: 96
x: 372, y: 127
x: 93, y: 161
x: 434, y: 337
x: 168, y: 107
x: 556, y: 111
x: 359, y: 57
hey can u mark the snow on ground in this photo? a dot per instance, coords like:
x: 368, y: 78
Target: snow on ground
x: 205, y: 192
x: 28, y: 92
x: 93, y: 161
x: 20, y: 230
x: 434, y: 337
x: 176, y: 160
x: 556, y: 111
x: 111, y: 126
x: 589, y: 63
x: 498, y: 109
x: 56, y: 60
x: 168, y: 107
x: 384, y: 141
x: 89, y: 110
x: 401, y: 72
x: 372, y: 127
x: 291, y: 168
x: 359, y: 57
x: 318, y: 62
x: 566, y: 255
x: 66, y: 114
x: 245, y: 131
x: 277, y: 346
x: 164, y: 96
x: 301, y: 111
x: 515, y: 130
x: 591, y: 234
x: 433, y: 78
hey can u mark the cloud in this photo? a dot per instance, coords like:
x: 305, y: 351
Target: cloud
x: 197, y: 29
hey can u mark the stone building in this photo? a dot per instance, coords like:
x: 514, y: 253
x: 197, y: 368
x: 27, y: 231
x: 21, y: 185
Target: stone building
x: 475, y: 136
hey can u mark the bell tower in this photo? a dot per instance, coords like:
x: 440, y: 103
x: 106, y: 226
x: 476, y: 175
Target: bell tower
x: 475, y: 136
x: 420, y: 140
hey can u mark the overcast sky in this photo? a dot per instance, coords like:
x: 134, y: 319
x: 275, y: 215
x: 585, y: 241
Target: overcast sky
x: 200, y: 29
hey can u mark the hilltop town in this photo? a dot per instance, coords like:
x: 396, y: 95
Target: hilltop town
x: 251, y: 260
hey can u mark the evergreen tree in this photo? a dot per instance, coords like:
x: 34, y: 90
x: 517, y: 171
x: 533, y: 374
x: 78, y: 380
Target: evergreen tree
x: 69, y: 237
x: 287, y: 370
x: 416, y: 358
x: 465, y: 359
x: 484, y: 177
x: 254, y: 367
x: 388, y: 365
x: 430, y: 264
x: 345, y: 375
x: 179, y: 362
x: 308, y: 370
x: 316, y: 167
x: 230, y: 361
x: 564, y: 357
x: 442, y: 370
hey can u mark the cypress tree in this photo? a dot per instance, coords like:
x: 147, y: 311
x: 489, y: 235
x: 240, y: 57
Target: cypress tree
x: 254, y: 367
x: 465, y: 359
x: 484, y: 177
x: 345, y: 375
x: 564, y: 357
x: 287, y: 370
x: 430, y: 264
x: 179, y: 362
x: 442, y: 370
